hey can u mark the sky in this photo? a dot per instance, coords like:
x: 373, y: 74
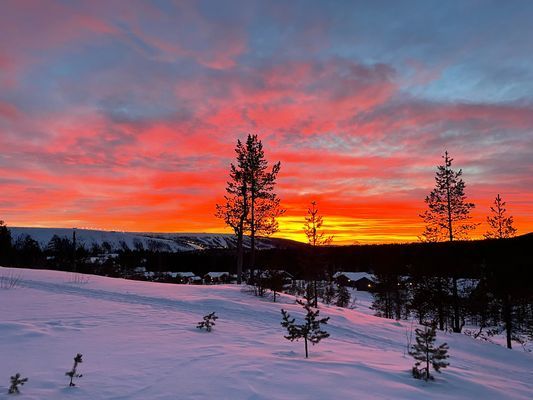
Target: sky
x: 124, y: 115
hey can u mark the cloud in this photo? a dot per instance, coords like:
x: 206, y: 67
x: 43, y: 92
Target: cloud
x: 126, y: 117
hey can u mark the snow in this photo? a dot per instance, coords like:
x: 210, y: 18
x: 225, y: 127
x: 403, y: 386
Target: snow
x: 139, y: 341
x: 215, y: 275
x: 163, y: 241
x: 354, y: 276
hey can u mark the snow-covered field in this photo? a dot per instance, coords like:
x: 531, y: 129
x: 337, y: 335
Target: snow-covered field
x: 139, y: 341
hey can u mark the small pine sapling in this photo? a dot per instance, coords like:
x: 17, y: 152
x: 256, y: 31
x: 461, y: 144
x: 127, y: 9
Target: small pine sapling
x: 208, y: 322
x: 73, y: 372
x: 16, y: 380
x: 310, y: 330
x: 425, y: 353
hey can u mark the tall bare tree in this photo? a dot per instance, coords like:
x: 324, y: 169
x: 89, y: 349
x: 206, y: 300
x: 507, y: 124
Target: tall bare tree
x: 500, y: 226
x: 316, y: 237
x: 448, y: 217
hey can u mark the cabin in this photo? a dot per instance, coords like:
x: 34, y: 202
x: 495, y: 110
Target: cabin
x: 362, y: 281
x: 188, y: 277
x: 216, y: 277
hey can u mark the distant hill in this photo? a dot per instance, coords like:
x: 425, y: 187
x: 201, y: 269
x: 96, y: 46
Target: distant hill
x: 173, y: 242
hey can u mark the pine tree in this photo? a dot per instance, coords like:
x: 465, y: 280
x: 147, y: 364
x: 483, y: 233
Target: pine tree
x: 16, y: 380
x: 425, y: 353
x: 264, y: 204
x: 342, y: 299
x: 329, y: 294
x: 250, y: 202
x: 234, y: 210
x: 390, y: 295
x: 73, y: 372
x: 208, y: 322
x: 5, y: 244
x: 448, y: 214
x: 310, y: 330
x: 274, y: 281
x: 500, y: 226
x: 316, y: 237
x: 448, y: 217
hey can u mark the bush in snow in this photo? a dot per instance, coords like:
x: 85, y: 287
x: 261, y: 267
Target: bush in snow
x: 16, y: 380
x: 73, y: 373
x: 310, y: 330
x: 425, y: 352
x: 208, y: 322
x: 10, y: 281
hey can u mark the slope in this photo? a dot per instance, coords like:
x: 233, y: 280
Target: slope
x: 139, y: 341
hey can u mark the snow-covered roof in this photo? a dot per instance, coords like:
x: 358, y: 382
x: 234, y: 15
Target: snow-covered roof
x: 266, y: 273
x: 216, y: 274
x: 354, y: 276
x: 187, y: 274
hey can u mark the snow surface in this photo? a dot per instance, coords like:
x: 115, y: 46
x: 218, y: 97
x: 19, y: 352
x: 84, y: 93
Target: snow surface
x: 173, y: 242
x: 139, y: 341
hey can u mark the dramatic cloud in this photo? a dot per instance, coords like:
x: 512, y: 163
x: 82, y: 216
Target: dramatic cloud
x: 125, y: 116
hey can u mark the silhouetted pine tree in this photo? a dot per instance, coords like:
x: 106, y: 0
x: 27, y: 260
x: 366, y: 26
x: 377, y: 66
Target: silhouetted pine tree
x: 500, y: 226
x: 329, y: 293
x: 274, y: 281
x: 310, y: 330
x: 342, y: 299
x: 448, y: 218
x: 316, y: 237
x: 5, y: 244
x: 391, y: 296
x: 425, y: 352
x: 234, y: 210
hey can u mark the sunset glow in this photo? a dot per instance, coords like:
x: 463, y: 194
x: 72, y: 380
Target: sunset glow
x: 125, y: 115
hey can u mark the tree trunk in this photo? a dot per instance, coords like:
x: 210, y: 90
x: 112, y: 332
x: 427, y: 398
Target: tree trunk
x: 306, y: 352
x: 239, y: 256
x: 427, y: 359
x: 74, y: 250
x: 252, y: 233
x: 316, y: 293
x: 456, y: 326
x: 440, y: 307
x: 508, y: 318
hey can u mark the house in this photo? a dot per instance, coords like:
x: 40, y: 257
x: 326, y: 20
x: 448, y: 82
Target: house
x: 188, y: 277
x: 362, y: 281
x: 216, y: 277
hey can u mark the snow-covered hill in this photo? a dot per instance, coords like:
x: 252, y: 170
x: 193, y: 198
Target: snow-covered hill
x: 139, y: 341
x: 131, y: 240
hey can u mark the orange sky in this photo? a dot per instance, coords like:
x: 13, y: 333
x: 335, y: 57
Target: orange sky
x: 125, y: 117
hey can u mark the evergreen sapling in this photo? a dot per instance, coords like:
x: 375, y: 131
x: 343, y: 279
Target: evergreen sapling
x: 343, y: 297
x: 425, y: 353
x: 16, y: 380
x: 73, y: 372
x: 208, y: 322
x: 310, y: 330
